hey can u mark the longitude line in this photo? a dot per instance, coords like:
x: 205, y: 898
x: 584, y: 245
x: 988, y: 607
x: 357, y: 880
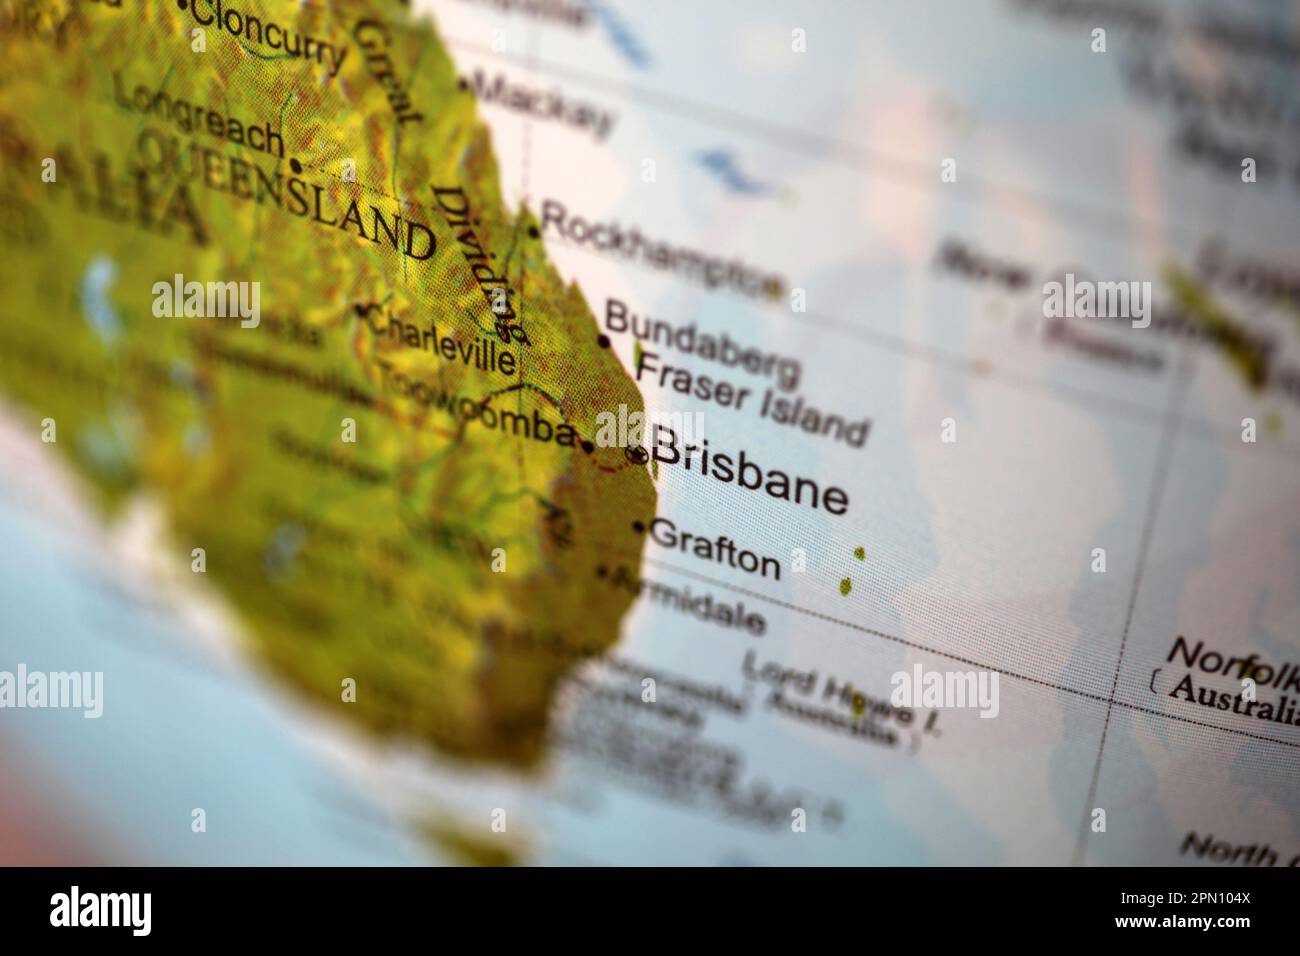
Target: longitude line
x: 1164, y: 454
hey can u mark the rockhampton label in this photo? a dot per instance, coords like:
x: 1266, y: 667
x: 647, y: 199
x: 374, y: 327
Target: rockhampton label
x: 68, y: 690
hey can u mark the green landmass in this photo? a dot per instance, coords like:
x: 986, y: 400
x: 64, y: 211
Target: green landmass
x: 369, y: 560
x: 1241, y: 351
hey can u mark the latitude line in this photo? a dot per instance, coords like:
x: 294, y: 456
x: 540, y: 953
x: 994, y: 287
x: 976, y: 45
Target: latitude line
x: 959, y: 658
x: 1224, y: 435
x: 1121, y: 408
x: 1105, y: 221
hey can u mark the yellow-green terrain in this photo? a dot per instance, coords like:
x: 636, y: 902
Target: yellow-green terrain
x: 371, y: 560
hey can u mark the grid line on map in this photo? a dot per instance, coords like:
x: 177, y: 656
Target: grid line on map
x: 916, y: 645
x: 1159, y: 482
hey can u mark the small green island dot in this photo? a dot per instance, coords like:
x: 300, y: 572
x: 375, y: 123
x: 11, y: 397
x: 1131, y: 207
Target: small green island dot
x: 860, y: 553
x: 846, y: 586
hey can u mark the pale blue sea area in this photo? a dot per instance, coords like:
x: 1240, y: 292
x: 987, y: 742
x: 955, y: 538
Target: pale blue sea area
x: 176, y: 732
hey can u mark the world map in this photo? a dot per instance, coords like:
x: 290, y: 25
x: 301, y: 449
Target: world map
x: 558, y: 432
